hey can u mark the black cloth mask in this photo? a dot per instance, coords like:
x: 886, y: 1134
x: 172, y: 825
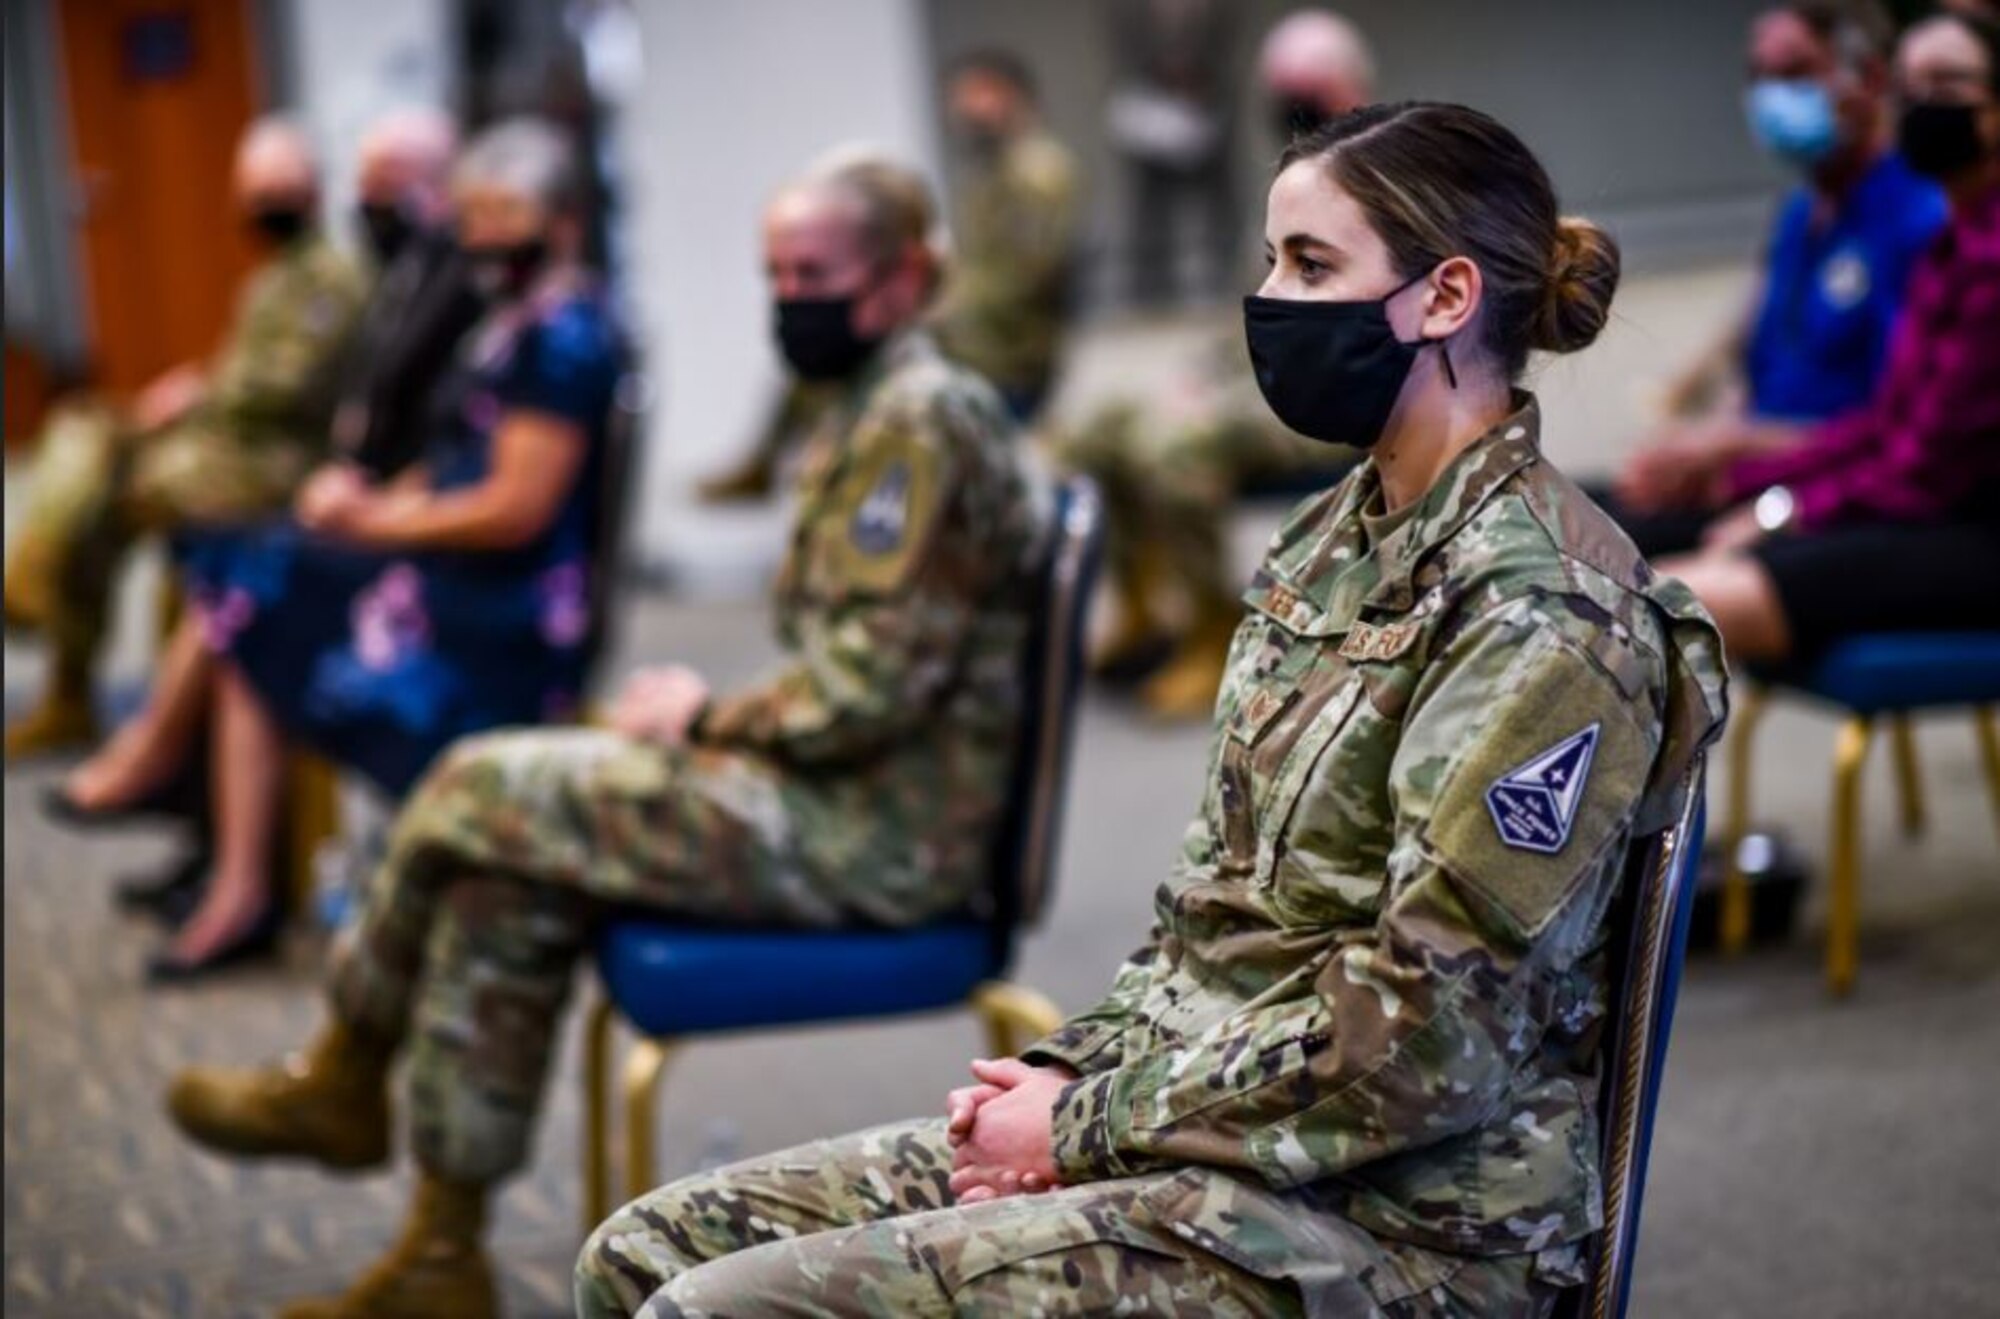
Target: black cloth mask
x: 1331, y: 370
x: 504, y: 273
x: 1940, y: 139
x: 280, y: 225
x: 817, y: 337
x: 385, y: 228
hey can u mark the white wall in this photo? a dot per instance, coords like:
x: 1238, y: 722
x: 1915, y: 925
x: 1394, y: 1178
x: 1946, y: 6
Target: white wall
x: 737, y: 97
x: 355, y: 59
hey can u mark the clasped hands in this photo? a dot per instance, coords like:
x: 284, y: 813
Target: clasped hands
x: 1001, y: 1130
x: 659, y: 704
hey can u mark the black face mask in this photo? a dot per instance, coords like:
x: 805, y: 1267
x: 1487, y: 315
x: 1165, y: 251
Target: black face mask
x: 1295, y: 116
x: 1331, y: 370
x: 505, y: 273
x: 279, y: 225
x: 385, y: 228
x: 1940, y: 140
x: 817, y: 337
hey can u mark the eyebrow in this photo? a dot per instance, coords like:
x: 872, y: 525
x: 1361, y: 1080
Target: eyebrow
x: 1297, y: 242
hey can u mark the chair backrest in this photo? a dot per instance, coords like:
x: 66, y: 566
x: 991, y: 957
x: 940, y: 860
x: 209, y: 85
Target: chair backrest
x: 1648, y: 944
x: 1052, y: 662
x: 614, y: 511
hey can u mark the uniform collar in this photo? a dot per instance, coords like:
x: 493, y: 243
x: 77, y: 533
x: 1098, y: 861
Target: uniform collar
x: 1460, y: 491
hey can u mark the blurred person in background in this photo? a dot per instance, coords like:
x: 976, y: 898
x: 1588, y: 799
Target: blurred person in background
x: 1354, y: 1069
x: 1172, y: 468
x: 1813, y: 342
x: 1887, y: 518
x: 423, y: 301
x: 386, y: 620
x: 199, y: 445
x: 1006, y: 300
x: 860, y: 782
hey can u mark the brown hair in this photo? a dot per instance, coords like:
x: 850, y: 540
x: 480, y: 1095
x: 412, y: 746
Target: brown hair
x: 1438, y: 181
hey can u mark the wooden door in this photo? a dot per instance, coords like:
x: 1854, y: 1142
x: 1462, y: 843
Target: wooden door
x: 158, y: 92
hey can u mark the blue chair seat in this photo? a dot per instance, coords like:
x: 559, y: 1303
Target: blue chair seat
x: 1880, y: 674
x: 672, y: 980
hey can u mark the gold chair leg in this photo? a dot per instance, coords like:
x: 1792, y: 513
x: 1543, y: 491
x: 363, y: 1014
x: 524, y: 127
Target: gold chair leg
x: 643, y: 1066
x: 1987, y: 726
x: 597, y: 1028
x: 1909, y: 782
x: 1844, y: 865
x: 1735, y: 933
x: 1014, y: 1015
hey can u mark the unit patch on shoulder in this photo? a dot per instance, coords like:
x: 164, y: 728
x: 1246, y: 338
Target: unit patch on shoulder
x: 1535, y: 803
x: 883, y: 517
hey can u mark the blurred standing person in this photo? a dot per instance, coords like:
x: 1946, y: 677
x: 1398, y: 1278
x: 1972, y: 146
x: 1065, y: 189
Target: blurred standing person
x: 1171, y: 121
x: 1887, y: 518
x: 1007, y: 285
x: 859, y: 782
x: 1171, y: 469
x: 1813, y: 342
x: 198, y: 445
x: 1005, y: 306
x: 423, y: 301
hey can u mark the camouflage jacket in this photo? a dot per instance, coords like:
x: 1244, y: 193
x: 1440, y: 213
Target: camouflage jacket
x: 903, y: 603
x: 272, y: 381
x: 1376, y: 983
x: 1006, y: 295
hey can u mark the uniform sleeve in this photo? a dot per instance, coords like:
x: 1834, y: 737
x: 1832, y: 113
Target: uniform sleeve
x: 284, y: 348
x: 870, y: 657
x: 1091, y: 1040
x: 1522, y: 762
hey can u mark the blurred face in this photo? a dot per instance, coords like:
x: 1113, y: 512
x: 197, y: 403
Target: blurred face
x: 1785, y: 50
x: 491, y: 217
x: 1943, y: 74
x: 385, y: 179
x: 982, y: 106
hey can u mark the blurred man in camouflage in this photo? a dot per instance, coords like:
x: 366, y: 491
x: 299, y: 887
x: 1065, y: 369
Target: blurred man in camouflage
x: 197, y: 445
x: 1170, y: 468
x: 859, y: 782
x: 1006, y: 297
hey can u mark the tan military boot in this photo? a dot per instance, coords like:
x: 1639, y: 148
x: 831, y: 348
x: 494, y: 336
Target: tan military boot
x: 1185, y: 688
x: 64, y: 721
x: 329, y: 1104
x: 436, y: 1270
x: 754, y: 479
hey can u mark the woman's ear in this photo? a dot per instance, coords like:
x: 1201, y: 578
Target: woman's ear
x: 1452, y: 298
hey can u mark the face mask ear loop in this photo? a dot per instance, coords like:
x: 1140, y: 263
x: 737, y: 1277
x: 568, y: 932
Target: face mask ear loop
x: 1444, y: 352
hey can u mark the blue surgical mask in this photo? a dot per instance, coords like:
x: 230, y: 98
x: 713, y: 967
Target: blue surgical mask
x: 1793, y: 119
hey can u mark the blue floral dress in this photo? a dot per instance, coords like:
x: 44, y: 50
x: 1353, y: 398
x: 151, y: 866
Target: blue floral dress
x: 379, y: 659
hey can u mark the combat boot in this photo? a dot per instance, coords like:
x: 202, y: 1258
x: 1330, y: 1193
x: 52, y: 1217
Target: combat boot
x: 329, y: 1104
x: 754, y: 479
x: 1185, y: 689
x: 436, y: 1270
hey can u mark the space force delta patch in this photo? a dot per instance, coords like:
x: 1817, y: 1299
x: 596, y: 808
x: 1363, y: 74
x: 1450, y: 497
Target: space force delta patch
x: 1535, y: 803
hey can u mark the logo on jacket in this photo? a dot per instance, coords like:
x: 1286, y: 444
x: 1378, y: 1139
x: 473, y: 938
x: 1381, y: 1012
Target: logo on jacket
x: 1534, y: 804
x: 879, y: 523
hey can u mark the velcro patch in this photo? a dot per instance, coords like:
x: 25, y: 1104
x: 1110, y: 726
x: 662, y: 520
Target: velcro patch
x: 883, y: 516
x: 1534, y: 804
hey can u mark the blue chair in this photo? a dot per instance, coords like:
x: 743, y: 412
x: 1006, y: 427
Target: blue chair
x: 1870, y: 678
x: 1653, y: 912
x: 671, y: 981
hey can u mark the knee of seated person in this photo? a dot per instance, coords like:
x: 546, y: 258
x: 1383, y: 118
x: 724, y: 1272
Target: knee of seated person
x: 621, y: 1263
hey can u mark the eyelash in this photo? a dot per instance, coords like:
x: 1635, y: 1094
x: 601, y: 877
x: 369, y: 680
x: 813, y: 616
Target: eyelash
x: 1310, y: 270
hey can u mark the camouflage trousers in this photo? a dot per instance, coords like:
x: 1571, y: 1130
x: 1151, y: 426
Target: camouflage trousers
x: 97, y: 484
x: 1169, y: 491
x: 863, y: 1225
x: 498, y: 868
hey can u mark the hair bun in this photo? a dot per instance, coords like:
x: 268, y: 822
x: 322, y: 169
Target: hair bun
x: 1583, y: 276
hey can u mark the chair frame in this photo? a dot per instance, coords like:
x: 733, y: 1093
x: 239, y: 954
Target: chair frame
x: 1646, y: 982
x: 1850, y: 754
x: 1012, y: 1015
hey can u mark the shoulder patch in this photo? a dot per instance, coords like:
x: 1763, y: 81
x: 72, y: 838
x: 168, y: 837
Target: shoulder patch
x: 1534, y: 804
x: 882, y: 519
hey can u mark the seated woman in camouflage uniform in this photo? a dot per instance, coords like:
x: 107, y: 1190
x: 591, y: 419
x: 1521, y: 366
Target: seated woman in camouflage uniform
x: 1353, y: 1070
x: 859, y: 783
